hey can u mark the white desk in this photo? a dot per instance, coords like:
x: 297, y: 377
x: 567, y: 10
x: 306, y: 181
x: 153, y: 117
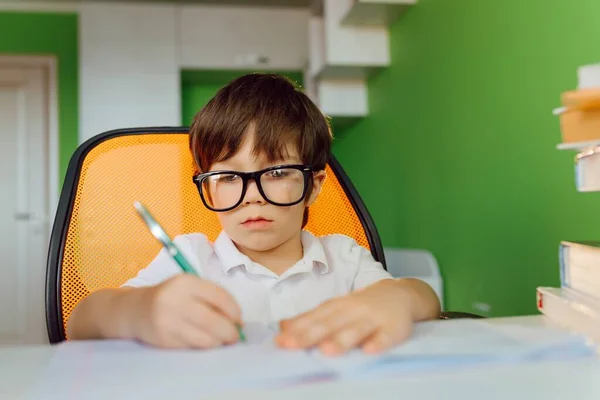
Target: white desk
x: 556, y: 380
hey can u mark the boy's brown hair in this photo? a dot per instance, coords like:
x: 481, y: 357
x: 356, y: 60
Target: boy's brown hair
x: 278, y: 110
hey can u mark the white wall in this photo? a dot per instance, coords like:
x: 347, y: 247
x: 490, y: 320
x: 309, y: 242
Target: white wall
x: 129, y: 67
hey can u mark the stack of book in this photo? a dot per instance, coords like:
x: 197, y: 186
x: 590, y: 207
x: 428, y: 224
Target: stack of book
x: 576, y: 304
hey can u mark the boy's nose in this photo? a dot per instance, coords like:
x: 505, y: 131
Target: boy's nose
x: 252, y: 194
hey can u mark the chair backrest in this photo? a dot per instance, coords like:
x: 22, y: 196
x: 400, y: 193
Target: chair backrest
x: 98, y: 241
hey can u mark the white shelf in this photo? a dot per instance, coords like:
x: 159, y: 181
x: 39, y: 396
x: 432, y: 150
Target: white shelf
x: 343, y: 98
x: 338, y: 98
x: 345, y: 52
x: 578, y: 146
x: 220, y: 37
x: 376, y: 12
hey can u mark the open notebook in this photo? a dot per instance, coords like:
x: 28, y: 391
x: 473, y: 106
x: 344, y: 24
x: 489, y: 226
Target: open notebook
x: 104, y: 369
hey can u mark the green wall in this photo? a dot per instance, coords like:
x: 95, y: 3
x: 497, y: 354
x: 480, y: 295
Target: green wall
x: 458, y: 154
x: 193, y: 98
x: 199, y: 86
x: 49, y: 34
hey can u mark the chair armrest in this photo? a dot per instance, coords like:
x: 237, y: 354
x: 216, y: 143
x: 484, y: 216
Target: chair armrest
x: 458, y: 314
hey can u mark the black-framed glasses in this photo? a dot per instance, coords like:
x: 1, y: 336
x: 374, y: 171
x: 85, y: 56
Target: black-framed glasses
x: 281, y: 185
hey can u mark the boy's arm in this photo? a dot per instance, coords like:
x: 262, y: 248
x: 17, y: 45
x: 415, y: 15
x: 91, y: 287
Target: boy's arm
x: 182, y: 312
x: 375, y: 318
x: 107, y: 313
x: 110, y: 313
x: 422, y: 300
x: 378, y: 314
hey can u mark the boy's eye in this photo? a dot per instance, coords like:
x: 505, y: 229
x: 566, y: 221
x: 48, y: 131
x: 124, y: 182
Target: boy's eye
x: 227, y: 178
x: 277, y: 173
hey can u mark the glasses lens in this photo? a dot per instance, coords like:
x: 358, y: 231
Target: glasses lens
x: 283, y: 185
x: 222, y: 191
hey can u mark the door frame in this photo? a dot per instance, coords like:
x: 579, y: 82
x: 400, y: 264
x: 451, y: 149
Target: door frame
x: 49, y: 64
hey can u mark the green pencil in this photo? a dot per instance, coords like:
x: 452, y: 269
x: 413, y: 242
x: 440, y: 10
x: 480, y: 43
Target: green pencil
x: 159, y: 233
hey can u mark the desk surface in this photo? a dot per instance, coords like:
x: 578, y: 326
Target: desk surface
x: 20, y: 367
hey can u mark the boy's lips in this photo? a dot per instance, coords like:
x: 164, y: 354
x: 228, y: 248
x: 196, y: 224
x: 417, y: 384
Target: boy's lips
x: 257, y: 223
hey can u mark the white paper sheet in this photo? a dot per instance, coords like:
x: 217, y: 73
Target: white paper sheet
x: 106, y: 369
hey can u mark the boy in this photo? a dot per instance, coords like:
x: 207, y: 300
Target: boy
x: 261, y: 147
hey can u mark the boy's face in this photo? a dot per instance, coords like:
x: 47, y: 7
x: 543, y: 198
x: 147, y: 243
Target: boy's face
x: 256, y: 224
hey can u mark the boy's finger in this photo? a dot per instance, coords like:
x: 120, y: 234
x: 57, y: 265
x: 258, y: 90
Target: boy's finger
x: 319, y: 328
x: 203, y: 317
x: 218, y: 298
x: 172, y: 341
x: 307, y: 319
x: 193, y: 337
x: 377, y: 343
x: 349, y: 337
x: 386, y: 338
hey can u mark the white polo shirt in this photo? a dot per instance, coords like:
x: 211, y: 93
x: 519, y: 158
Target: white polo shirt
x: 331, y: 266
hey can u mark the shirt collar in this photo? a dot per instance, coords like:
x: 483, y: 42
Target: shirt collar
x: 230, y: 257
x: 314, y: 254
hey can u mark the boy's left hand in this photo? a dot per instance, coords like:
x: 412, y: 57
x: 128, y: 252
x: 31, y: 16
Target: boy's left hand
x: 375, y: 318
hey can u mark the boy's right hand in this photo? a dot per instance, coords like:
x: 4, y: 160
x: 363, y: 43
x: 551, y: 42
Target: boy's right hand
x: 186, y: 312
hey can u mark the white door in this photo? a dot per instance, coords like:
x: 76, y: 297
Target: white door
x: 24, y: 176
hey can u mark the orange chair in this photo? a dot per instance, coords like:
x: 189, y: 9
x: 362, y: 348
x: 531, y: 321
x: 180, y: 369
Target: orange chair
x: 98, y: 241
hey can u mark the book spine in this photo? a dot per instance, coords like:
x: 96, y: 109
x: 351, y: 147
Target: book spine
x: 563, y: 264
x: 587, y: 164
x: 580, y: 269
x: 570, y: 312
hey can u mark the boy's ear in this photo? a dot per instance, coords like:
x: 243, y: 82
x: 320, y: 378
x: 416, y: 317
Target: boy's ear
x: 318, y: 179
